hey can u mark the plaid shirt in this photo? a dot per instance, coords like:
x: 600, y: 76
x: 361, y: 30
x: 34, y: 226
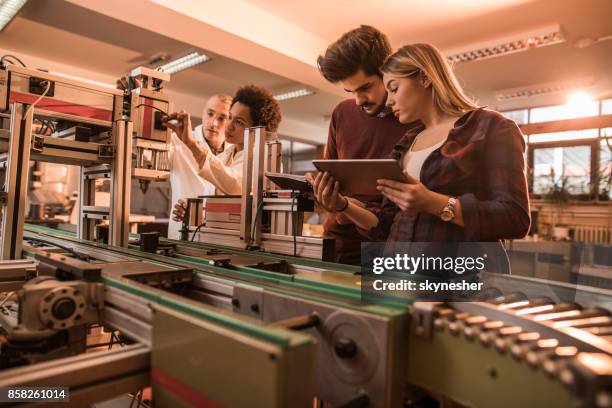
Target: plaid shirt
x: 482, y: 164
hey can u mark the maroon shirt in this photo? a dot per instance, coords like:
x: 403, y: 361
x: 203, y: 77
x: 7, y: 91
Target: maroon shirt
x: 482, y: 164
x: 353, y: 134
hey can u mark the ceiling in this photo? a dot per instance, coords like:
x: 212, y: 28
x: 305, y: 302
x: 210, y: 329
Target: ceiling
x: 274, y: 43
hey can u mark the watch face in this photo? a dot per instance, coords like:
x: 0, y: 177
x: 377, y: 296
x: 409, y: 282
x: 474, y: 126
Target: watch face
x: 446, y: 215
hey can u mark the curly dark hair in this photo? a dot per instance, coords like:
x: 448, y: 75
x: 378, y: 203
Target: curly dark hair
x: 363, y: 48
x: 265, y: 110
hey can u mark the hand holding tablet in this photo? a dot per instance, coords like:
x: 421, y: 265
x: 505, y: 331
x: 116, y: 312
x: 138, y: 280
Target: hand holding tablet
x: 411, y: 195
x: 360, y: 177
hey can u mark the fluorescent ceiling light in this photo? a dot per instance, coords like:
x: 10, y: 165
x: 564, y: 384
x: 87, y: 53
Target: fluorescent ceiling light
x: 293, y: 94
x: 183, y: 63
x: 548, y: 35
x: 8, y: 10
x: 545, y: 89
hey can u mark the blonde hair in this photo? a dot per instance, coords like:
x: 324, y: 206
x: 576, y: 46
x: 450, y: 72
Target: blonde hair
x: 448, y: 96
x: 226, y: 99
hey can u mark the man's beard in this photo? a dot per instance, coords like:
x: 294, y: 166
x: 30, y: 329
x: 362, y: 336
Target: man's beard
x: 378, y: 109
x: 375, y: 112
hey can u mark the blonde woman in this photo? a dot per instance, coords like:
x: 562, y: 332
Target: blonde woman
x: 465, y: 163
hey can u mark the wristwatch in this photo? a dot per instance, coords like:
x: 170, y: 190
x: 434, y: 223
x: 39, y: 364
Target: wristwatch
x: 448, y: 212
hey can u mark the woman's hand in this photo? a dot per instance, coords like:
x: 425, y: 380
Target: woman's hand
x: 412, y: 196
x: 326, y: 192
x: 179, y: 210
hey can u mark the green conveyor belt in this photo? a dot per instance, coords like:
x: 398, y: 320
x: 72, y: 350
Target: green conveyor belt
x: 343, y: 291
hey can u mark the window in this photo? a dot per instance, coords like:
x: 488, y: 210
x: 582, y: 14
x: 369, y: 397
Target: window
x: 565, y: 169
x: 520, y: 116
x: 571, y: 163
x: 562, y: 136
x: 560, y: 112
x: 606, y: 107
x: 297, y: 157
x: 605, y: 169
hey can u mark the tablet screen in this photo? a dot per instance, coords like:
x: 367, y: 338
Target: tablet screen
x: 358, y: 177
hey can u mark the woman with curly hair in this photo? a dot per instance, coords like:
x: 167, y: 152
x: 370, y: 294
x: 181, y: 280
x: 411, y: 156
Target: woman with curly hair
x: 251, y: 106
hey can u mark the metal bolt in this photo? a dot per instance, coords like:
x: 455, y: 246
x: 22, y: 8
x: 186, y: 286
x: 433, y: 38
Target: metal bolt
x: 468, y: 332
x: 500, y: 345
x: 492, y: 373
x: 550, y: 367
x: 532, y: 359
x: 255, y: 308
x: 567, y: 377
x: 235, y: 303
x: 345, y: 348
x: 517, y: 351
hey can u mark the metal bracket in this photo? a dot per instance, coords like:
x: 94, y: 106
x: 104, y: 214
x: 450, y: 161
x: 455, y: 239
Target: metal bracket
x: 38, y: 143
x: 248, y: 300
x: 106, y: 151
x: 423, y: 317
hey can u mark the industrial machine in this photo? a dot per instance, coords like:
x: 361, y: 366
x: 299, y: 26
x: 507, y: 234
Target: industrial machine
x: 251, y: 315
x: 96, y: 128
x: 263, y: 217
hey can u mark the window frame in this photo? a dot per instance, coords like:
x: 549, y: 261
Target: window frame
x: 594, y: 169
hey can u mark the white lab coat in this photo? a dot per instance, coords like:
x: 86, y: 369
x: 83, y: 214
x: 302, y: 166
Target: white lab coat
x: 184, y: 179
x: 224, y: 171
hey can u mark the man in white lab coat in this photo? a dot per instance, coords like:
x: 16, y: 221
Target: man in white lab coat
x: 184, y: 179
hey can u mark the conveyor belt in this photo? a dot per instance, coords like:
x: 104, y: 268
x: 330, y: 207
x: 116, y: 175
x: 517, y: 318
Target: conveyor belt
x: 341, y: 288
x: 476, y: 353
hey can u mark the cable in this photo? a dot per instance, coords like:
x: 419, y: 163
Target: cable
x: 259, y: 208
x: 152, y: 107
x: 46, y: 125
x: 39, y: 98
x: 42, y: 126
x: 196, y: 231
x: 139, y: 394
x: 12, y: 57
x: 293, y: 222
x: 112, y: 340
x: 50, y: 125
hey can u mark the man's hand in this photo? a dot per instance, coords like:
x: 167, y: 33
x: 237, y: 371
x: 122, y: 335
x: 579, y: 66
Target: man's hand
x: 326, y: 192
x: 179, y: 210
x: 412, y: 196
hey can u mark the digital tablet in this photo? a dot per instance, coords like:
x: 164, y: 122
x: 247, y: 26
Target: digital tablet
x: 289, y: 181
x: 358, y: 177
